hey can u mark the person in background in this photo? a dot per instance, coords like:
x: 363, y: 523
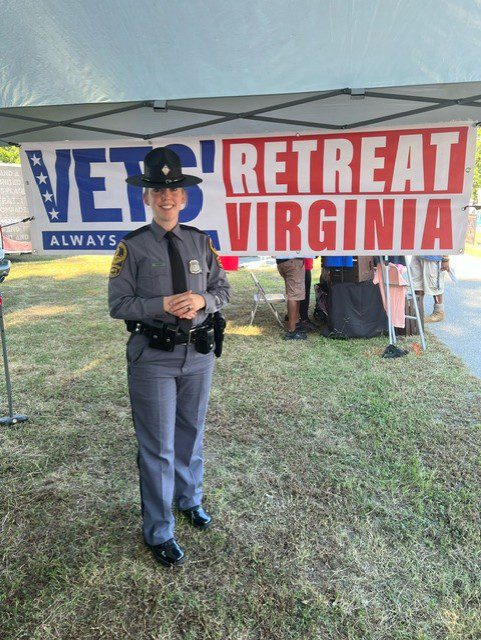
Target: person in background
x: 304, y: 323
x: 292, y: 271
x: 428, y: 274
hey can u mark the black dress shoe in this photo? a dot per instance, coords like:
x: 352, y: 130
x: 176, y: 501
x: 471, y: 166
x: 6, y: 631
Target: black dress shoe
x: 198, y: 517
x: 168, y: 553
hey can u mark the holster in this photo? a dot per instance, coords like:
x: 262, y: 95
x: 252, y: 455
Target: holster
x: 220, y: 324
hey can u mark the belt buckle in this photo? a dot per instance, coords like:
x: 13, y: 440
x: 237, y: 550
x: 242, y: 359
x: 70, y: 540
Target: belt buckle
x: 190, y: 335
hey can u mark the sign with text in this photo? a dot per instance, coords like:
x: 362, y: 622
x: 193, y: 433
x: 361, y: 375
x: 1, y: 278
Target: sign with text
x: 392, y: 191
x: 13, y: 208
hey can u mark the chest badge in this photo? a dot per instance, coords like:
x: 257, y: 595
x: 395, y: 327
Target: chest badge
x: 194, y: 266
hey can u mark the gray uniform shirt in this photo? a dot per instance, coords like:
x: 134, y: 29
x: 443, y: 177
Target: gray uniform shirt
x: 141, y: 276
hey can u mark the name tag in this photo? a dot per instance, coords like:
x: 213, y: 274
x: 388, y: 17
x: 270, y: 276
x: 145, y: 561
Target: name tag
x: 158, y: 264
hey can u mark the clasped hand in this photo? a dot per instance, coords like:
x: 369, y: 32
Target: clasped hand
x: 184, y: 305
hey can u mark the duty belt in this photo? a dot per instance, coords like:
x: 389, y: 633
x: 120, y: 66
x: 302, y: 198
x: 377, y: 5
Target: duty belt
x: 173, y: 330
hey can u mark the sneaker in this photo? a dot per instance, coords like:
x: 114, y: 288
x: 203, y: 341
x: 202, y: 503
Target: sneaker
x: 305, y: 326
x: 295, y: 335
x: 436, y: 316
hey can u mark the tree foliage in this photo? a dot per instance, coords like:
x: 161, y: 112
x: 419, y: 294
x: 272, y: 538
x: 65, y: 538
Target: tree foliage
x: 10, y: 155
x: 477, y: 168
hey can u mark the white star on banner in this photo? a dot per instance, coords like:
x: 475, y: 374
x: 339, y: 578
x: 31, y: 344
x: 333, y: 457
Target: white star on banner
x: 48, y: 196
x: 53, y: 214
x: 42, y: 179
x: 36, y: 160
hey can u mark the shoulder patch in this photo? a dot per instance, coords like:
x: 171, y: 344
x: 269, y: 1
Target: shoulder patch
x: 216, y: 255
x: 118, y: 260
x: 136, y: 232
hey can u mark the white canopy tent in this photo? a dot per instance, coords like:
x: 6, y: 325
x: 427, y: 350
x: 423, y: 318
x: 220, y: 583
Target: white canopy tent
x: 117, y: 69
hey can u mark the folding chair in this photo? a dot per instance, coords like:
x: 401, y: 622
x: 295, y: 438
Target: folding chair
x: 261, y: 297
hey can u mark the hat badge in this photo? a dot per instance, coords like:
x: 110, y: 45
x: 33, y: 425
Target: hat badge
x: 165, y: 170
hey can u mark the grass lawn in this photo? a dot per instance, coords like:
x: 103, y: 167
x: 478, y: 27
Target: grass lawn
x: 345, y: 487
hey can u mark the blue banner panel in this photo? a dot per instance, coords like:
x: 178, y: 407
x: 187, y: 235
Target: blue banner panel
x: 81, y: 240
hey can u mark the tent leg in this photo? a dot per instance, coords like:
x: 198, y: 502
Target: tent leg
x: 12, y: 418
x: 416, y: 308
x: 392, y: 333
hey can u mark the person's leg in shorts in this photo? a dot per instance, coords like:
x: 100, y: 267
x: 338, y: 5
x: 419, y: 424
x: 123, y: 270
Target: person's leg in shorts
x: 293, y: 273
x: 428, y: 279
x: 434, y: 279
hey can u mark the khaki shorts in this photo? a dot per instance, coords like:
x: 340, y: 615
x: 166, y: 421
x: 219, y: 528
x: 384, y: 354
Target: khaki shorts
x: 427, y: 276
x: 293, y: 273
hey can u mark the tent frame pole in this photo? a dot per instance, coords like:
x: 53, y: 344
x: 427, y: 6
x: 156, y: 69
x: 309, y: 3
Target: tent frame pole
x: 254, y: 114
x: 417, y: 315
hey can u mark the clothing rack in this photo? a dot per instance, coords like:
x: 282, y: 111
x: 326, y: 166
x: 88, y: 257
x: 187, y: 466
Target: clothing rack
x: 417, y: 316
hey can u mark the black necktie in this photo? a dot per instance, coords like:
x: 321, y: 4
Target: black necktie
x: 179, y: 281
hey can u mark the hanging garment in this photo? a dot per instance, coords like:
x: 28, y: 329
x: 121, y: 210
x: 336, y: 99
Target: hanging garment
x: 397, y: 292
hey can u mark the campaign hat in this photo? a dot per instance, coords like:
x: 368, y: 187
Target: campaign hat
x: 162, y: 170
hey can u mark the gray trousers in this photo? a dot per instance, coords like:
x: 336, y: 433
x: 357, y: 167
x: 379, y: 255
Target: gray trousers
x: 169, y: 393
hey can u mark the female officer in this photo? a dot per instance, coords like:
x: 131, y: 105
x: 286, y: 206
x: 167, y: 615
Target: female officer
x: 165, y: 281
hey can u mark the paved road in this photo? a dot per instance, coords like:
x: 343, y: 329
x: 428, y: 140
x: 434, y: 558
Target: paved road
x: 461, y: 331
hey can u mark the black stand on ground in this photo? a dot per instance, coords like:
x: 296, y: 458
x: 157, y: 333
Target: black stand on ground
x: 12, y: 418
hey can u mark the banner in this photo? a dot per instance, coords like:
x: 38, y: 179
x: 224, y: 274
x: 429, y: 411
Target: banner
x: 389, y: 191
